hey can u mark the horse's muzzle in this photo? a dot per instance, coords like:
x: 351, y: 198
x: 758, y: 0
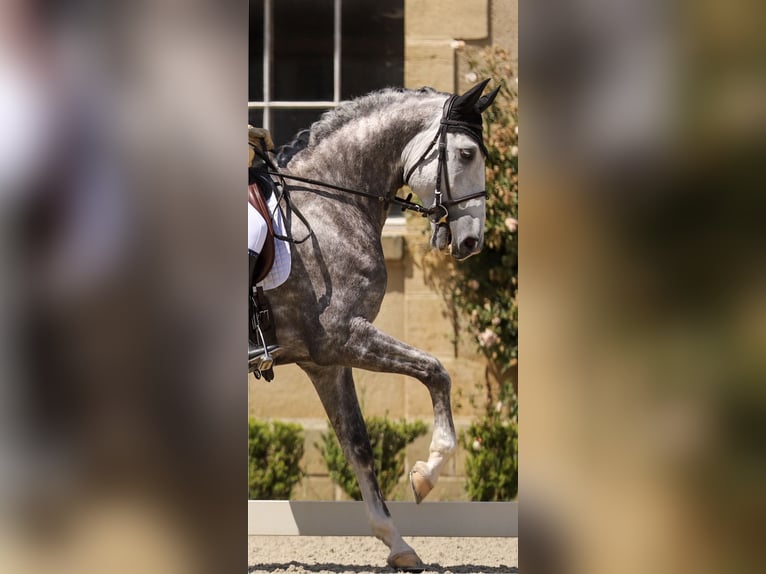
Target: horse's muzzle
x: 468, y: 246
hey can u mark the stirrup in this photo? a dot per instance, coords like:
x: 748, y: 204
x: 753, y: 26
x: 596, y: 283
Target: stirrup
x: 261, y: 362
x: 262, y: 359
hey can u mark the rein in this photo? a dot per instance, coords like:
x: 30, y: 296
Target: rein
x: 406, y: 203
x: 438, y: 213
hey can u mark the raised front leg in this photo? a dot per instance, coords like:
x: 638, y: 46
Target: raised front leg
x: 371, y: 349
x: 335, y: 387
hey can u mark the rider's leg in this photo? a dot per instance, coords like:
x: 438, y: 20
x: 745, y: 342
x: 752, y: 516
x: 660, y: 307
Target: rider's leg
x: 256, y: 236
x: 256, y: 230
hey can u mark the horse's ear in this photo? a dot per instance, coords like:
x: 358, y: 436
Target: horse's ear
x: 468, y: 100
x: 486, y: 101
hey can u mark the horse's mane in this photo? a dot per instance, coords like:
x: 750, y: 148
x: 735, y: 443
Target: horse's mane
x: 346, y: 111
x: 286, y: 152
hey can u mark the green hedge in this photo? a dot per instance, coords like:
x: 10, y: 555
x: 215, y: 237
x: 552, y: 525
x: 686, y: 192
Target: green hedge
x: 388, y: 440
x: 274, y: 453
x: 491, y: 465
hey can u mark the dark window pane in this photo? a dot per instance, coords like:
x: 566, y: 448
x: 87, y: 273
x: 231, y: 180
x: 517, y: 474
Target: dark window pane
x: 255, y: 78
x: 373, y: 46
x: 255, y: 117
x: 303, y: 50
x: 287, y: 123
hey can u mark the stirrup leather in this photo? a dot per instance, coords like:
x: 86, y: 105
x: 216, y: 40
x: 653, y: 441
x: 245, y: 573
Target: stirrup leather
x: 262, y: 361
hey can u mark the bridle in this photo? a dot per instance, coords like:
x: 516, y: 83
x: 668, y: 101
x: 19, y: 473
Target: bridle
x: 438, y: 213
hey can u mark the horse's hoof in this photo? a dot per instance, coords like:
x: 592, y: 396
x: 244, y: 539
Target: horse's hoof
x: 421, y: 486
x: 406, y: 562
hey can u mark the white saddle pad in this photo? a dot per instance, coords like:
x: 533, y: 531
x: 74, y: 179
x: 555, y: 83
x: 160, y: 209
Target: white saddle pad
x: 280, y: 271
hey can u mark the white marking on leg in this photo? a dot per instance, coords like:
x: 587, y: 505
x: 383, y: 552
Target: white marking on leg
x: 443, y: 445
x: 384, y: 529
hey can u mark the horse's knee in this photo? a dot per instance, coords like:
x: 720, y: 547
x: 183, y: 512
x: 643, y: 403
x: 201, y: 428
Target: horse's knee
x: 436, y: 375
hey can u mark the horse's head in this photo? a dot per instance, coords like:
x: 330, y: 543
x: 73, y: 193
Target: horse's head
x: 446, y: 171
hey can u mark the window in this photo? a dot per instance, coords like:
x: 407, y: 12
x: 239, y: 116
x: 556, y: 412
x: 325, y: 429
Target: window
x: 308, y: 55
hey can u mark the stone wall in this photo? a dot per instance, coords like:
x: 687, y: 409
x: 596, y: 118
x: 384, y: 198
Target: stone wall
x: 435, y: 31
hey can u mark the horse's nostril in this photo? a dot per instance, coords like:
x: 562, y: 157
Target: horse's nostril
x: 470, y: 243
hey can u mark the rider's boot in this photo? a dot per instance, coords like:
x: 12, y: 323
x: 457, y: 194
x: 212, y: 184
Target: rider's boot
x: 255, y: 348
x: 259, y: 353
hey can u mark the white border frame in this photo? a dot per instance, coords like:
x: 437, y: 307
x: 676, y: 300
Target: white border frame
x: 327, y: 518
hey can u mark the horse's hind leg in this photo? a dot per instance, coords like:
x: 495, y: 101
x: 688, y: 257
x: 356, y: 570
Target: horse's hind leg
x: 368, y: 348
x: 335, y: 387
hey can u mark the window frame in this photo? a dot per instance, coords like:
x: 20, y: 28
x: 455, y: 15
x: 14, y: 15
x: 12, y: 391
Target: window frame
x: 395, y: 219
x: 267, y: 105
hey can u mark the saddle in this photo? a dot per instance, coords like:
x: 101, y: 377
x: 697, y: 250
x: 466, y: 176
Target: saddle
x: 256, y: 198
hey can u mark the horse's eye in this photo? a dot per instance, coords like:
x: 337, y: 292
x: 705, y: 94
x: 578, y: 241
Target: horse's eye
x: 467, y: 153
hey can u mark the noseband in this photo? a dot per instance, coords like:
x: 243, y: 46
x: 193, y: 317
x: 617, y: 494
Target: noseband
x: 438, y: 213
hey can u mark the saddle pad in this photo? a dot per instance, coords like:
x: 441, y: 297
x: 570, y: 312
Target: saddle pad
x: 280, y: 271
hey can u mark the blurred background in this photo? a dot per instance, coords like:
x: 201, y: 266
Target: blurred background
x: 643, y: 293
x: 122, y: 186
x: 641, y: 244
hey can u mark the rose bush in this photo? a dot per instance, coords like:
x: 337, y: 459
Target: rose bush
x: 483, y: 293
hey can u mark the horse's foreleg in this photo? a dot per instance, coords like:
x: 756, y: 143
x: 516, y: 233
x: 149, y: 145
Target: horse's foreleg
x: 368, y: 348
x: 335, y: 387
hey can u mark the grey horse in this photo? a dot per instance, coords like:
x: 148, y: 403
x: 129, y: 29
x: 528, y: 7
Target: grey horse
x: 325, y: 309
